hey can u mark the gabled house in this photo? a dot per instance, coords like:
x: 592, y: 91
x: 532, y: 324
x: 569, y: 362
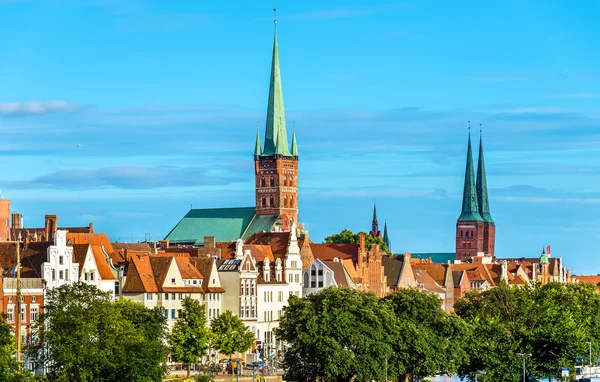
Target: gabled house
x: 324, y: 274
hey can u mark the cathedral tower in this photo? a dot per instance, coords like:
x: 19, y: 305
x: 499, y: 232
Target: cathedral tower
x: 275, y: 164
x: 489, y: 229
x: 470, y: 226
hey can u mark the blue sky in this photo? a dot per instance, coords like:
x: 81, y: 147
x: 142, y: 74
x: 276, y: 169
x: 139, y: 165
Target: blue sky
x: 164, y: 98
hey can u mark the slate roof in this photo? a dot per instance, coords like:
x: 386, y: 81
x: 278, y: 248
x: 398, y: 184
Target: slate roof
x: 338, y: 273
x: 392, y: 266
x: 32, y: 258
x: 225, y: 224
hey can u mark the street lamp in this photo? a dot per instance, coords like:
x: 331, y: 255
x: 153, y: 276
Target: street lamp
x: 524, y: 356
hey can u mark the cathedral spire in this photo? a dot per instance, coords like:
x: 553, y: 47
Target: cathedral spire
x: 470, y: 209
x: 375, y: 232
x: 275, y: 132
x: 482, y: 194
x: 386, y: 238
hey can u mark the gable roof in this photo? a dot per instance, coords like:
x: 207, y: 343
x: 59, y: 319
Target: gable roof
x: 140, y: 276
x: 392, y: 267
x: 80, y: 252
x: 90, y: 238
x: 338, y: 272
x: 104, y: 269
x: 32, y: 258
x: 187, y: 269
x: 328, y: 252
x: 225, y: 224
x: 427, y: 282
x: 131, y: 246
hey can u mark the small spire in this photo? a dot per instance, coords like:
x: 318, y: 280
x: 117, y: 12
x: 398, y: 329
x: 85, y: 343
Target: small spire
x: 294, y: 144
x: 386, y: 238
x: 375, y: 232
x: 257, y: 149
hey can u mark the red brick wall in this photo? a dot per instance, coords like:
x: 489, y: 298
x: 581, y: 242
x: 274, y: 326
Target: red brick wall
x: 284, y: 190
x: 489, y: 238
x: 27, y: 302
x: 469, y: 239
x: 4, y: 219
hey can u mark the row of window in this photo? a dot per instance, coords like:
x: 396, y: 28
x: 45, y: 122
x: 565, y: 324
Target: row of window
x: 248, y: 286
x: 466, y: 233
x: 33, y: 313
x: 268, y: 315
x: 212, y: 313
x: 181, y: 296
x: 62, y: 275
x: 247, y: 311
x: 33, y: 298
x: 287, y: 202
x: 287, y: 181
x: 268, y: 296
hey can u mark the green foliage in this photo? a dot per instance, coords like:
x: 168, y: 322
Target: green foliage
x: 337, y: 334
x: 230, y: 334
x: 87, y: 337
x: 347, y: 237
x: 190, y: 337
x: 551, y: 322
x: 430, y: 340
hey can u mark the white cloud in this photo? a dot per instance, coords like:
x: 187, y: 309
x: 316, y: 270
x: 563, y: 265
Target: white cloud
x: 15, y: 109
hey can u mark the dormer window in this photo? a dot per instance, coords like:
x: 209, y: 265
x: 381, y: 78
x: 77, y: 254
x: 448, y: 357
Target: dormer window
x: 195, y: 281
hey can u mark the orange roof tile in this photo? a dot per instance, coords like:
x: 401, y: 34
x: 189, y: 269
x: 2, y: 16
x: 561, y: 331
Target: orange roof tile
x: 328, y: 252
x: 90, y: 238
x: 140, y: 277
x: 187, y: 269
x: 104, y: 269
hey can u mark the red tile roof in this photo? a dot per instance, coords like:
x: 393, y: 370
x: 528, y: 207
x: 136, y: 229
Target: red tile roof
x: 329, y: 252
x: 104, y: 269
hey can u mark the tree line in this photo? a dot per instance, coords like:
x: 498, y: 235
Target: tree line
x: 342, y: 335
x: 84, y: 336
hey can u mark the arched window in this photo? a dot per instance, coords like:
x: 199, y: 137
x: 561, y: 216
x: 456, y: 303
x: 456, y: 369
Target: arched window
x: 461, y: 233
x: 262, y: 181
x: 271, y: 201
x: 285, y: 201
x: 292, y: 201
x: 285, y: 181
x: 264, y: 201
x: 272, y: 181
x: 471, y: 233
x: 291, y: 181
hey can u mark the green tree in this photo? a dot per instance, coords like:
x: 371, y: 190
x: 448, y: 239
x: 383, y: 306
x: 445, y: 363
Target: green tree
x: 86, y: 337
x: 347, y: 237
x: 230, y: 334
x: 430, y: 340
x: 338, y: 334
x: 190, y: 337
x: 550, y: 322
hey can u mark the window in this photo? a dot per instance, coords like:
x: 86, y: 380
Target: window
x: 10, y: 314
x: 320, y: 283
x: 247, y: 311
x: 285, y: 201
x: 60, y: 260
x: 91, y: 276
x: 313, y: 272
x: 252, y: 311
x: 166, y: 313
x: 247, y: 288
x: 292, y: 202
x: 60, y: 275
x: 173, y: 281
x: 10, y: 298
x: 271, y: 201
x: 262, y: 181
x: 285, y: 181
x: 251, y: 289
x: 173, y: 296
x: 272, y: 181
x: 22, y: 313
x: 320, y: 272
x: 173, y: 313
x: 67, y: 275
x: 296, y: 278
x: 34, y: 299
x: 294, y: 264
x: 33, y: 313
x: 22, y: 298
x: 149, y: 296
x: 278, y: 276
x: 313, y: 284
x: 278, y: 314
x: 117, y: 288
x: 54, y: 275
x: 181, y: 296
x: 85, y: 276
x: 280, y: 296
x: 264, y: 201
x: 166, y: 296
x: 242, y: 312
x: 248, y: 266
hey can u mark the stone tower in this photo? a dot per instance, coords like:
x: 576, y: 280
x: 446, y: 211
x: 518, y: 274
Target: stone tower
x: 469, y: 227
x: 275, y: 164
x: 489, y: 228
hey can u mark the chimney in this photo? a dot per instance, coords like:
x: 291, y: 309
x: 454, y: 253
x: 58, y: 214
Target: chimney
x: 17, y: 221
x: 209, y: 242
x: 164, y: 244
x: 51, y: 222
x: 91, y: 227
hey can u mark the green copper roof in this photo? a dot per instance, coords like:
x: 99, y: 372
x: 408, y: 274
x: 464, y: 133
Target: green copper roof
x: 482, y: 194
x: 260, y: 223
x: 544, y: 258
x: 294, y: 145
x: 470, y: 209
x: 226, y: 224
x: 257, y: 150
x: 386, y: 238
x: 441, y: 258
x: 275, y: 134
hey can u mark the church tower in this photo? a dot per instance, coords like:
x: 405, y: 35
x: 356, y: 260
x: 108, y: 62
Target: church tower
x: 275, y: 164
x: 489, y: 229
x: 470, y: 225
x: 375, y: 232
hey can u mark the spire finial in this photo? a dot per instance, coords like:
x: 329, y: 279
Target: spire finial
x: 480, y: 130
x: 469, y: 127
x: 275, y: 17
x: 294, y: 125
x: 257, y: 125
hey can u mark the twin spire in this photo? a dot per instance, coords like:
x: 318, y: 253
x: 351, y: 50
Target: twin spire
x: 276, y: 142
x: 475, y: 196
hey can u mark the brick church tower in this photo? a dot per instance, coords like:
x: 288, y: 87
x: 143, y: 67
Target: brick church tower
x: 276, y: 165
x: 475, y: 229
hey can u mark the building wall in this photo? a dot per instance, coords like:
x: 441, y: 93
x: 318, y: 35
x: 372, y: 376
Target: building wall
x: 59, y: 262
x: 279, y: 196
x: 4, y: 220
x: 469, y: 239
x: 32, y: 301
x: 230, y: 281
x: 316, y: 278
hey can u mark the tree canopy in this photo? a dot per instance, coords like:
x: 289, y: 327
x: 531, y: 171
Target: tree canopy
x: 190, y: 337
x: 230, y: 334
x: 347, y: 237
x: 87, y: 337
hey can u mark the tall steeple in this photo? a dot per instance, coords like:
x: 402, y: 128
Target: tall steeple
x: 375, y: 232
x: 470, y: 208
x: 275, y: 133
x: 386, y: 238
x: 482, y: 194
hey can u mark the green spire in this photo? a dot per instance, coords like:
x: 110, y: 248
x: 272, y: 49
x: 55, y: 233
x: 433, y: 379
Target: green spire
x: 470, y: 210
x: 386, y: 238
x: 257, y: 150
x: 275, y: 134
x: 294, y: 145
x: 482, y: 194
x: 544, y: 258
